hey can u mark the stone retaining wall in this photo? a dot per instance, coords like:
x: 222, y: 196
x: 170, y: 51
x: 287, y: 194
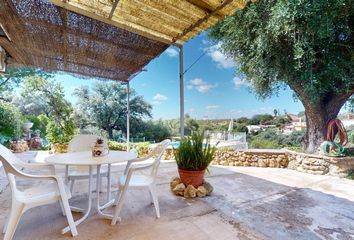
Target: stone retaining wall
x: 303, y: 162
x: 253, y: 158
x: 316, y: 164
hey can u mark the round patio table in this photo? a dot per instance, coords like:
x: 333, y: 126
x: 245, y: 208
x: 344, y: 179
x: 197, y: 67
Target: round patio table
x: 86, y: 159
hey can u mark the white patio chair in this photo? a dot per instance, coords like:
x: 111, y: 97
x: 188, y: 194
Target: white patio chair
x: 41, y: 194
x: 130, y: 178
x: 80, y: 143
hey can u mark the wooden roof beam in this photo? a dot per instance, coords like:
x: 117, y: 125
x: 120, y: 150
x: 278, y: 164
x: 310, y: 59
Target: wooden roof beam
x: 115, y: 4
x: 205, y: 7
x: 16, y: 55
x: 201, y: 21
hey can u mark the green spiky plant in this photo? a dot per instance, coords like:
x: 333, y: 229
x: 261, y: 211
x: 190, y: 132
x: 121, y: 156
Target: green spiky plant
x: 193, y: 154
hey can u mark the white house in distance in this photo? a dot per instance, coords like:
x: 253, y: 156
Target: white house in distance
x: 296, y: 123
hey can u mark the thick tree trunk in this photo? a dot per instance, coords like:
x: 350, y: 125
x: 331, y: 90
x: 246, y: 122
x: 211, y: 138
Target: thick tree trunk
x: 316, y: 127
x: 110, y: 132
x: 317, y: 118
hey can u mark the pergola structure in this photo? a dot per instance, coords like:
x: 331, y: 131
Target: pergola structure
x: 104, y: 39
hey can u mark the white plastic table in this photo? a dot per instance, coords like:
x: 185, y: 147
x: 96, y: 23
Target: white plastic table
x: 86, y: 159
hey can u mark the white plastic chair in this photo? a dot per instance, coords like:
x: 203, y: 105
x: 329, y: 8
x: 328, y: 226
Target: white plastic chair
x: 80, y: 143
x: 42, y: 194
x: 131, y: 179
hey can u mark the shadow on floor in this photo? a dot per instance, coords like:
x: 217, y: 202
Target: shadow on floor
x: 241, y: 207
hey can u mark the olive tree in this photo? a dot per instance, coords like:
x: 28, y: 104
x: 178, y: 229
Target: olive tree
x: 105, y: 106
x: 306, y: 45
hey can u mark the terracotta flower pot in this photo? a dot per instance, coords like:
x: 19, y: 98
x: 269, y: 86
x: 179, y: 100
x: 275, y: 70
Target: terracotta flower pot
x: 194, y: 178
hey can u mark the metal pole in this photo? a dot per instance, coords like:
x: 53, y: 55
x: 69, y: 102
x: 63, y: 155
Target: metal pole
x: 181, y: 89
x: 128, y: 116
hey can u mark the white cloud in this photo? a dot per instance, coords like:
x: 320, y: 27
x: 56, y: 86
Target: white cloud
x: 217, y: 56
x: 204, y: 88
x: 212, y: 107
x: 171, y: 52
x: 238, y: 82
x: 200, y: 85
x: 196, y: 81
x: 159, y: 97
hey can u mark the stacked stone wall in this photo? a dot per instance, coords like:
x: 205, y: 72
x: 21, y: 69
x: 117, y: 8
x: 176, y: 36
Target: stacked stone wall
x: 282, y: 158
x: 252, y: 158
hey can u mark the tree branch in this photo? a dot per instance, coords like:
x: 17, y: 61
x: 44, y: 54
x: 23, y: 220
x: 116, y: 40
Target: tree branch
x: 4, y: 82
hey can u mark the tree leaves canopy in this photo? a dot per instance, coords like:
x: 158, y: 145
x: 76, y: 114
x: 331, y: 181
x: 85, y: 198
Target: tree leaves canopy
x: 106, y: 106
x: 13, y: 77
x: 305, y: 44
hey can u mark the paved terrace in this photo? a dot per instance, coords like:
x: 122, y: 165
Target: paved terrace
x: 247, y: 203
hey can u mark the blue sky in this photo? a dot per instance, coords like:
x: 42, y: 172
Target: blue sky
x: 212, y: 87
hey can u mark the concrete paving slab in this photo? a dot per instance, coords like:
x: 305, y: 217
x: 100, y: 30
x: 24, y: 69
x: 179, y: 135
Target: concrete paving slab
x: 247, y: 203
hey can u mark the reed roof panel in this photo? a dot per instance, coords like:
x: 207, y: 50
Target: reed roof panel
x: 109, y: 39
x: 55, y: 39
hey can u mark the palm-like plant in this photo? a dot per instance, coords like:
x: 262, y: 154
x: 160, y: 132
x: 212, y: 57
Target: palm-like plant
x: 193, y: 154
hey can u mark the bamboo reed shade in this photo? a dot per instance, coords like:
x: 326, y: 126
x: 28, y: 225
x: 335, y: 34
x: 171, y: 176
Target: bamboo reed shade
x: 163, y: 20
x: 108, y: 39
x: 46, y: 36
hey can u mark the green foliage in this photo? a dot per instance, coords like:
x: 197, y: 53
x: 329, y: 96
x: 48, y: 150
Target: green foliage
x: 273, y: 139
x: 13, y: 77
x: 40, y: 95
x: 351, y: 175
x: 192, y: 154
x: 39, y: 123
x: 240, y: 128
x: 156, y: 131
x: 173, y: 126
x: 53, y: 113
x: 280, y: 121
x: 142, y: 147
x: 10, y: 120
x: 351, y: 136
x: 191, y: 125
x: 307, y: 45
x: 262, y: 143
x: 106, y: 107
x: 242, y: 120
x: 60, y: 132
x: 293, y: 42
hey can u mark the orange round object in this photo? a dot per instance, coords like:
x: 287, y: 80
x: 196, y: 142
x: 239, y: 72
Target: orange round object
x: 194, y: 178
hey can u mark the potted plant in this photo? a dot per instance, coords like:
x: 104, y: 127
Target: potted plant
x: 99, y: 150
x: 193, y: 157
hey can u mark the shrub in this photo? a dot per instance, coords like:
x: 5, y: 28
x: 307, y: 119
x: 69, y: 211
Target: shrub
x: 240, y: 128
x: 142, y: 148
x: 273, y: 139
x: 10, y: 121
x: 39, y: 123
x: 265, y: 144
x: 156, y: 131
x: 60, y: 133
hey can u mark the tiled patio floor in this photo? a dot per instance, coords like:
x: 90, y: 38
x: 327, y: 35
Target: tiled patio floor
x: 247, y: 203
